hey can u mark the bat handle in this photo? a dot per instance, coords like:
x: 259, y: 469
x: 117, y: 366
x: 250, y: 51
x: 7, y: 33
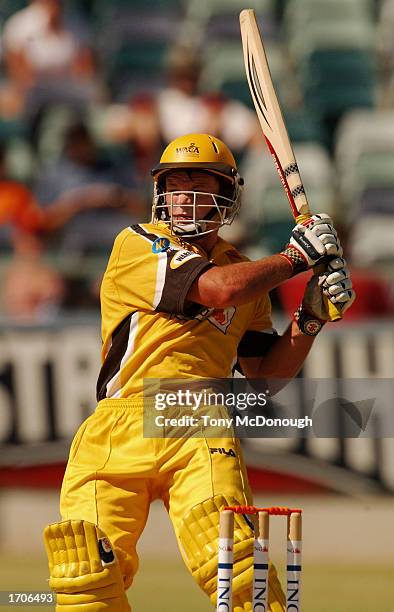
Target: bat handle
x: 333, y: 310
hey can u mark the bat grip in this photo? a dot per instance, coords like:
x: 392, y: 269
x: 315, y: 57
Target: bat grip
x: 332, y: 309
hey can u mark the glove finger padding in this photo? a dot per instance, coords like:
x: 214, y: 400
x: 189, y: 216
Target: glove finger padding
x: 327, y: 234
x: 332, y: 246
x: 334, y: 278
x: 343, y: 300
x: 337, y: 287
x: 336, y: 284
x: 336, y: 265
x: 323, y: 227
x: 311, y: 242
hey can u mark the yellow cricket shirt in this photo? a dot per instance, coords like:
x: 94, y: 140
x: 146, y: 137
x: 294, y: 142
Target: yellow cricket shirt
x: 148, y: 329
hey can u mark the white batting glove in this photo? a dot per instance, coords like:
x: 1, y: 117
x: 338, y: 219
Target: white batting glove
x: 323, y: 228
x: 311, y: 242
x: 336, y: 284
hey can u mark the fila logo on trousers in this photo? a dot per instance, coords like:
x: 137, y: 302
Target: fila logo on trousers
x: 223, y: 451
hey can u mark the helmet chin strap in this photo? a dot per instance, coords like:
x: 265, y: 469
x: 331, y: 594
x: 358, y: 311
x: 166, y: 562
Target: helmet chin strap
x: 195, y: 228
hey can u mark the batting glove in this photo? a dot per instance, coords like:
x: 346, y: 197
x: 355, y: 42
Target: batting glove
x: 334, y: 283
x: 311, y: 242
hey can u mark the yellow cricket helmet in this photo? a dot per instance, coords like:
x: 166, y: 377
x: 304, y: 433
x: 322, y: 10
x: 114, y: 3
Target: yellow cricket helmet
x: 208, y: 154
x: 197, y: 151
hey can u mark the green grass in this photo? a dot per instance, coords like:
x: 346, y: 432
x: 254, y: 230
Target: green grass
x: 165, y: 585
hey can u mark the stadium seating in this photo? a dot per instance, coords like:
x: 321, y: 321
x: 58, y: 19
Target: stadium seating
x: 364, y: 152
x: 385, y: 28
x: 299, y: 14
x: 265, y: 206
x: 8, y: 7
x: 305, y: 126
x: 364, y: 156
x: 208, y: 20
x: 21, y: 161
x: 133, y: 41
x: 224, y: 69
x: 331, y: 44
x: 136, y: 65
x: 371, y: 242
x: 11, y: 128
x: 335, y: 80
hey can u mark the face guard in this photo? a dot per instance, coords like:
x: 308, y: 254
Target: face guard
x: 218, y: 212
x: 206, y: 154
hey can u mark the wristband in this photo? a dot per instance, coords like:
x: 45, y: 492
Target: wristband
x: 295, y: 258
x: 308, y: 323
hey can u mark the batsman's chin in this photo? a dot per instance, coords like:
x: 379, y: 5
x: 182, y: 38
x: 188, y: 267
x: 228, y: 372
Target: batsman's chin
x: 183, y: 226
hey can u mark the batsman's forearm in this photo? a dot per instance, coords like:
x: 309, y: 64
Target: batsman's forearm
x: 239, y: 283
x: 287, y: 355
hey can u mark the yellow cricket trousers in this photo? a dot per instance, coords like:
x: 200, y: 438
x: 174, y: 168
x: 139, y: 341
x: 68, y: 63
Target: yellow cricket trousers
x: 114, y: 473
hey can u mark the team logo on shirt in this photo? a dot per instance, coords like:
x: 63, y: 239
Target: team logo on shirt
x: 219, y: 317
x: 160, y: 244
x: 182, y: 257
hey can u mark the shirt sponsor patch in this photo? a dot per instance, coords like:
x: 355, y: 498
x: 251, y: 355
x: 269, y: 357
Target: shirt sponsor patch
x: 182, y: 257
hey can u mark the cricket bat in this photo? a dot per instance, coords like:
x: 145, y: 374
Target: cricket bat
x: 272, y: 123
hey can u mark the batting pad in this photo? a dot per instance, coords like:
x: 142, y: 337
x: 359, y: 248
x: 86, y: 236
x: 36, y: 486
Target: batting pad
x: 199, y: 535
x: 84, y: 572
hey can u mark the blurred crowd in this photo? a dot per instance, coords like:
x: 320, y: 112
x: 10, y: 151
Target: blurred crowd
x: 91, y: 91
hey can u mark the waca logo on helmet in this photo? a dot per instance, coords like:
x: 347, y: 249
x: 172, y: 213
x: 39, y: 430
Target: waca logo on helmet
x: 192, y: 148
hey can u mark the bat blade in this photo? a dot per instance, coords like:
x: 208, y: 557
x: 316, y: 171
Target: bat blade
x: 269, y: 113
x: 272, y: 123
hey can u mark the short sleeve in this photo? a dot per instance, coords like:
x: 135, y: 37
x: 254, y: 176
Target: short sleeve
x: 152, y: 272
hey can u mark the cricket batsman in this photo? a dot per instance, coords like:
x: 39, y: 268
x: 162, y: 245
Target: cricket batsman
x: 178, y: 302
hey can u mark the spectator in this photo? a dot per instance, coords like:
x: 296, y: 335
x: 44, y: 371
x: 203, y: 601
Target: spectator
x: 46, y: 62
x: 179, y: 109
x: 21, y: 210
x: 80, y: 163
x: 137, y: 125
x: 229, y: 120
x: 84, y: 181
x: 37, y: 44
x: 32, y: 289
